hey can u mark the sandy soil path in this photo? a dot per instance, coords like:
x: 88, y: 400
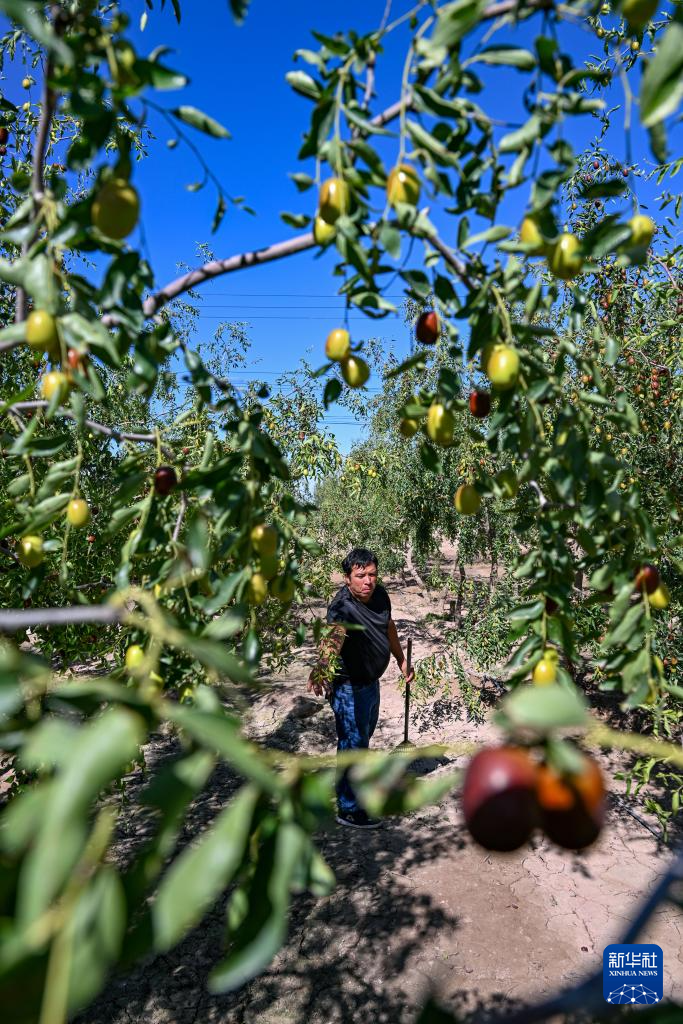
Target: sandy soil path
x: 418, y: 907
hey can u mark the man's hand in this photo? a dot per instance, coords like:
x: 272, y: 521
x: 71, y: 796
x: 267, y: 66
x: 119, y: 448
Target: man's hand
x: 320, y: 687
x: 409, y: 676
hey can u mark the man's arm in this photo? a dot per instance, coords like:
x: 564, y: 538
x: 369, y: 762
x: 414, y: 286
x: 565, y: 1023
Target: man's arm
x: 320, y: 679
x: 397, y: 651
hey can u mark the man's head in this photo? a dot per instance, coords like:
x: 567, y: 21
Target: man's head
x: 360, y: 571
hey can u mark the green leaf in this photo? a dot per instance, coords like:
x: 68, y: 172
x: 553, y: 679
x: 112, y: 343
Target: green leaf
x: 29, y: 15
x: 511, y: 56
x: 302, y: 181
x: 533, y: 130
x: 162, y: 78
x: 215, y: 656
x: 219, y: 213
x: 296, y: 220
x: 492, y: 234
x: 526, y: 612
x: 239, y: 10
x: 662, y: 86
x: 262, y: 929
x: 304, y: 84
x: 333, y: 390
x: 425, y: 140
x: 390, y: 238
x: 217, y: 732
x: 201, y: 121
x: 454, y: 21
x: 102, y: 750
x: 98, y: 923
x: 545, y: 708
x: 629, y: 627
x: 607, y: 189
x: 202, y: 871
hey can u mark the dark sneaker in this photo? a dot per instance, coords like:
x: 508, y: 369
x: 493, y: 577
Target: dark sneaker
x: 357, y: 819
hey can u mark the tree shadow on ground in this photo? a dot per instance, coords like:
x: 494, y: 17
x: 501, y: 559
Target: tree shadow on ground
x: 340, y: 953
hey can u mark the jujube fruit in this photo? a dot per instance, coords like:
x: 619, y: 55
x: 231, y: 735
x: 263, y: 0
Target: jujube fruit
x: 642, y: 230
x: 264, y: 538
x: 78, y: 513
x: 530, y: 235
x: 408, y: 426
x: 638, y: 12
x: 545, y: 670
x: 41, y: 332
x: 572, y: 805
x: 54, y: 383
x: 467, y: 500
x: 648, y: 577
x: 30, y: 551
x: 427, y: 328
x: 502, y: 367
x: 440, y: 424
x: 116, y: 208
x: 338, y: 344
x: 565, y: 260
x: 499, y: 798
x: 403, y: 185
x: 355, y: 371
x: 165, y: 480
x: 322, y: 231
x: 334, y: 199
x: 661, y: 597
x: 257, y: 589
x: 480, y: 404
x: 135, y: 656
x: 508, y: 482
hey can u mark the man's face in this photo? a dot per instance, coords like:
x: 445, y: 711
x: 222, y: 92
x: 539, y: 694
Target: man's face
x: 362, y: 581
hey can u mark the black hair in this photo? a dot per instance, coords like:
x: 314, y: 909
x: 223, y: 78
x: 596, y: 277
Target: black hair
x: 358, y: 557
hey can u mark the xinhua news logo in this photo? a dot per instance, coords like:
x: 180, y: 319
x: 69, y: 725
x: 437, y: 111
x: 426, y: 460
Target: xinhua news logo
x: 633, y: 973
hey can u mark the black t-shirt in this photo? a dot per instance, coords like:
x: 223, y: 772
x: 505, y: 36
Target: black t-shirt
x: 365, y: 653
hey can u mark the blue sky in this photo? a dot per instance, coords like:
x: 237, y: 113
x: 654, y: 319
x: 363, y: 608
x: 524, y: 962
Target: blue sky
x: 237, y: 74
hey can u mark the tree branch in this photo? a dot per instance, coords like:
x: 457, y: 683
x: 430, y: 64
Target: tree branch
x: 100, y: 428
x: 74, y: 615
x: 181, y: 515
x: 48, y: 103
x: 300, y: 243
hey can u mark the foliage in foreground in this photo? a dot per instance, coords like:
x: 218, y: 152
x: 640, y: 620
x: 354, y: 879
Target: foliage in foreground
x: 200, y: 535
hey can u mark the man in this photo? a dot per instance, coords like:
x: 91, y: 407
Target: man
x: 350, y: 664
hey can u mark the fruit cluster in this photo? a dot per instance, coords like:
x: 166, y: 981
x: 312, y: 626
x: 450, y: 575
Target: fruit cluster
x: 507, y: 795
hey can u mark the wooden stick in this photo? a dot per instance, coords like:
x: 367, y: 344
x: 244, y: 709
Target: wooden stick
x: 409, y: 656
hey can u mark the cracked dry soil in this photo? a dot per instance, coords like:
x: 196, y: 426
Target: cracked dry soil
x: 418, y: 908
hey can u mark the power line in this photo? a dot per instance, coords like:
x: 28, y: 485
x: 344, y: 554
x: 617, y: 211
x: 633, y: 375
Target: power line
x: 258, y: 316
x: 239, y: 305
x: 292, y: 295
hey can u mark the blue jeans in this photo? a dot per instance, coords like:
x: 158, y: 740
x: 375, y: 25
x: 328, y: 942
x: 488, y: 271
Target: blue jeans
x: 356, y: 710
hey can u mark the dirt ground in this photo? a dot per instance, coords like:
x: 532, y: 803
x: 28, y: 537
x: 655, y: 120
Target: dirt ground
x: 418, y: 908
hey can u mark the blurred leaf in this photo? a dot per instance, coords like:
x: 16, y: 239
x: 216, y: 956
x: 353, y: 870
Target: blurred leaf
x: 201, y: 121
x: 545, y: 708
x: 202, y: 871
x: 217, y: 732
x: 102, y: 749
x: 97, y: 926
x: 239, y: 9
x: 511, y: 56
x: 264, y: 925
x: 662, y: 86
x: 303, y: 84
